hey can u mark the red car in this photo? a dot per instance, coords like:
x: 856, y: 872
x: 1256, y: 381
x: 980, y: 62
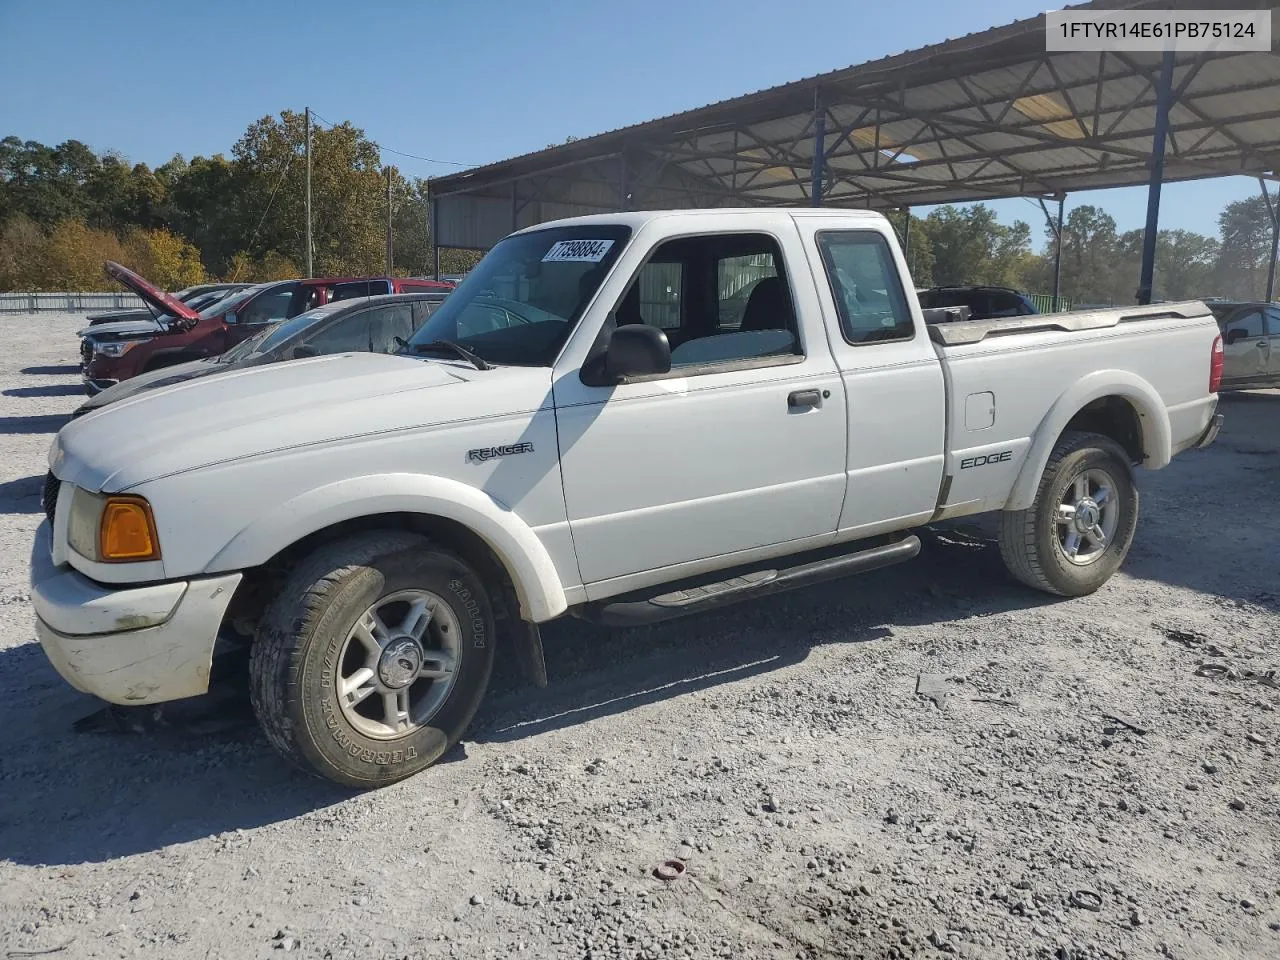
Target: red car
x: 113, y: 352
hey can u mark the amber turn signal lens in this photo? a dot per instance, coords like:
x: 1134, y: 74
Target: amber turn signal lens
x: 127, y: 531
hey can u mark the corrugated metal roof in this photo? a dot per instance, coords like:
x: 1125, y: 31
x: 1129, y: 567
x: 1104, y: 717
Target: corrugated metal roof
x: 982, y: 116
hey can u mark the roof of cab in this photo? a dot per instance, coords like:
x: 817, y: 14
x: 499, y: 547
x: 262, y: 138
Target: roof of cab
x: 635, y: 219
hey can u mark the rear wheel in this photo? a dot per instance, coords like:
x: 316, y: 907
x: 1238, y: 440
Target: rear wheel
x: 371, y: 662
x: 1079, y: 528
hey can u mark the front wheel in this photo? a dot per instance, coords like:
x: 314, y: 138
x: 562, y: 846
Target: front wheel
x: 1080, y: 525
x: 371, y: 662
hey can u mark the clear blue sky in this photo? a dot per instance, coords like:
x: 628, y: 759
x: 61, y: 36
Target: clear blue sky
x: 474, y: 82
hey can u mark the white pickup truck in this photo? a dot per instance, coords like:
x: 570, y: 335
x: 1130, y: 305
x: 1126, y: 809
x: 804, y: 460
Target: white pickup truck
x: 625, y: 418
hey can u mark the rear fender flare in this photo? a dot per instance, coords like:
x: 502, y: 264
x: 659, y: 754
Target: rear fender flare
x: 1153, y: 419
x: 517, y: 547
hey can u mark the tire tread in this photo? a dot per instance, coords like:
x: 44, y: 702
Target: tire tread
x: 275, y: 660
x: 1018, y: 547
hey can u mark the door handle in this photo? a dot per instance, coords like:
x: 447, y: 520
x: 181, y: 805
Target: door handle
x: 800, y: 399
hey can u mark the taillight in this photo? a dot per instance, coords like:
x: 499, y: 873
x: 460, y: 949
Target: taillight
x: 1215, y: 365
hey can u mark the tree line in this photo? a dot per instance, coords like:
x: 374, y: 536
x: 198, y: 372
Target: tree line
x: 65, y: 209
x: 1099, y: 263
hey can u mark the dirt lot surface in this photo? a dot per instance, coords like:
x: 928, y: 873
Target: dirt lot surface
x: 1100, y: 779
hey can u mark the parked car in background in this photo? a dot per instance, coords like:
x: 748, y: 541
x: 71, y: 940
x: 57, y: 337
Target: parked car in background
x: 366, y: 325
x: 1250, y: 343
x: 146, y: 321
x: 984, y: 302
x: 197, y: 297
x: 180, y: 334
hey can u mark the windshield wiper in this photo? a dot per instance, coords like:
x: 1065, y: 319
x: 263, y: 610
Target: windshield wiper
x: 455, y: 348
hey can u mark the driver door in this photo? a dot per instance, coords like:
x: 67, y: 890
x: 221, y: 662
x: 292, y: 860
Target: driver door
x: 726, y: 458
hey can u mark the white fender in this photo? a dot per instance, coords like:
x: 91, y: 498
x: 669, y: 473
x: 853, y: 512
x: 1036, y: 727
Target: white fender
x: 1153, y: 419
x: 537, y: 584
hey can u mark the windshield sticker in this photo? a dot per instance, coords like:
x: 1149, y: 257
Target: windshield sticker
x: 581, y: 251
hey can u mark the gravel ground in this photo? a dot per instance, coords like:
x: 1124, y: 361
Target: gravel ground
x: 1099, y: 779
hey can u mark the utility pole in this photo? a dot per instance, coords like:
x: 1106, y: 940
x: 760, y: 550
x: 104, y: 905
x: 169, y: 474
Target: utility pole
x: 307, y: 151
x: 388, y: 221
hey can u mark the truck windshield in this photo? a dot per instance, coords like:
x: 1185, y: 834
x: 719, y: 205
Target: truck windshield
x: 521, y: 302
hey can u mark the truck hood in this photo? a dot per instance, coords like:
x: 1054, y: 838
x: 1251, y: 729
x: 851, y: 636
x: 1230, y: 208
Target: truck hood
x: 257, y: 410
x: 124, y: 330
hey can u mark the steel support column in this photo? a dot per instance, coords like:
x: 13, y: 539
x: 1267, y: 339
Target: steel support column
x: 435, y: 233
x: 1057, y: 256
x: 1273, y: 211
x: 819, y: 147
x: 1055, y: 227
x: 906, y: 236
x: 1164, y: 98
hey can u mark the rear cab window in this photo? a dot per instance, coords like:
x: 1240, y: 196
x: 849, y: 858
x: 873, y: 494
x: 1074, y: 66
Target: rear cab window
x: 866, y: 287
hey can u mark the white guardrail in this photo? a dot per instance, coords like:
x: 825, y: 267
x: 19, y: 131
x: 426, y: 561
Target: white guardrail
x: 67, y: 302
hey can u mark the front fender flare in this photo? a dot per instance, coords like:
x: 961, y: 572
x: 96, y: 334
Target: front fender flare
x: 537, y: 584
x: 1153, y: 420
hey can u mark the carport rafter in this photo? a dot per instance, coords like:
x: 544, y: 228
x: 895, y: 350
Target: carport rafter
x: 988, y: 115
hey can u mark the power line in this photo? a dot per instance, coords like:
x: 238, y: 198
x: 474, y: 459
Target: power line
x: 398, y: 153
x: 270, y: 200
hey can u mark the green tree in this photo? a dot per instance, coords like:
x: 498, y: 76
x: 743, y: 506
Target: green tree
x: 1245, y: 231
x: 347, y: 186
x: 1090, y: 251
x: 971, y: 246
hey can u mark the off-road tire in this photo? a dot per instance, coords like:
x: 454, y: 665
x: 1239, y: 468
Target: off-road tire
x: 291, y: 668
x: 1028, y: 538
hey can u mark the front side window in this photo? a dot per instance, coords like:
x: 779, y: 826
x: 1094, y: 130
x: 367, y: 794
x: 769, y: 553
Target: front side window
x: 1245, y: 326
x: 268, y: 308
x: 521, y: 302
x: 866, y: 287
x: 387, y: 323
x: 736, y: 278
x: 351, y: 334
x: 718, y: 298
x: 1273, y: 324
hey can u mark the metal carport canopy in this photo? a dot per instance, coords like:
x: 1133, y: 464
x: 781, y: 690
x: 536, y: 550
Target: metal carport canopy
x: 980, y: 117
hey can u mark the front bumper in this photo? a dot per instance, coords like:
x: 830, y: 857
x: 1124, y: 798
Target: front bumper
x: 94, y: 387
x: 145, y: 644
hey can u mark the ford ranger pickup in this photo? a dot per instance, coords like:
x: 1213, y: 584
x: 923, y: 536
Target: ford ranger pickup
x: 624, y: 418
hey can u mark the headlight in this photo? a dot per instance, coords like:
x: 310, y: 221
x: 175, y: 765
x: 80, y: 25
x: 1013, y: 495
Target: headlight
x: 117, y: 348
x: 112, y: 529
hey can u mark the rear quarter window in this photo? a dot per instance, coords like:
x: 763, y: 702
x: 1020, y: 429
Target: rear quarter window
x: 866, y: 287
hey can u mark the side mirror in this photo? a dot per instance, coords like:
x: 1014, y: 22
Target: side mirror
x: 636, y: 350
x: 1234, y: 335
x: 230, y: 317
x: 303, y: 350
